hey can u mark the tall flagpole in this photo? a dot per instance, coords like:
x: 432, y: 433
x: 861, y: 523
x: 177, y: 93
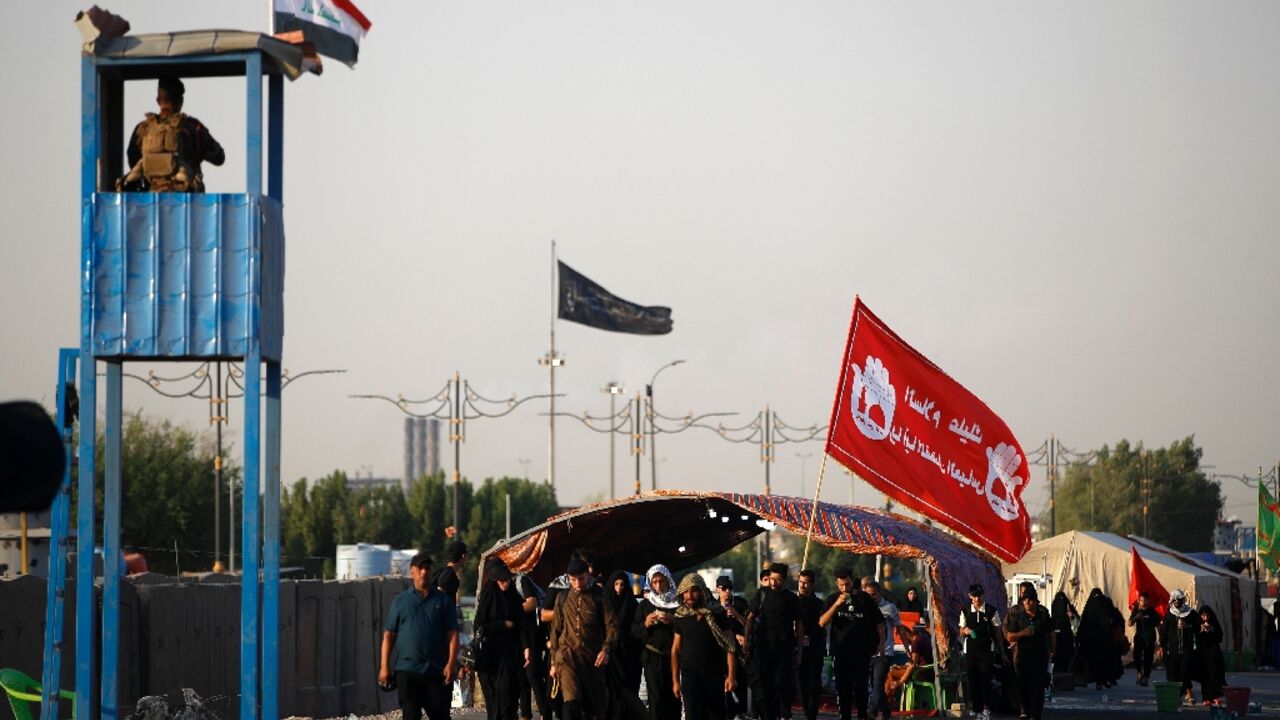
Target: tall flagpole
x: 551, y: 361
x: 551, y: 420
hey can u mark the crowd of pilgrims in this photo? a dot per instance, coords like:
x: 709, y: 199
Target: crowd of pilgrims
x: 579, y: 649
x: 1093, y: 643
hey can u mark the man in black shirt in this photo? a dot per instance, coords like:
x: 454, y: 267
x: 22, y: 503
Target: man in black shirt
x: 702, y: 653
x: 735, y: 612
x: 1144, y: 619
x: 980, y: 630
x: 857, y: 633
x: 1030, y: 631
x: 777, y: 644
x: 752, y: 662
x: 813, y: 648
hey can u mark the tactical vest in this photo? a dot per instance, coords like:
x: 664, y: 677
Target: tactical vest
x: 163, y: 166
x: 980, y: 632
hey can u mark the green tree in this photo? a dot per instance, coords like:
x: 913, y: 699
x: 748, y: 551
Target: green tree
x: 166, y: 493
x: 531, y: 504
x: 1106, y: 494
x: 314, y: 520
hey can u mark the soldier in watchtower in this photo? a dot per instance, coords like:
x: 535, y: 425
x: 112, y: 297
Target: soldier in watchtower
x: 167, y: 150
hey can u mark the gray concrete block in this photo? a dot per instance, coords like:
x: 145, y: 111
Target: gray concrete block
x: 288, y: 633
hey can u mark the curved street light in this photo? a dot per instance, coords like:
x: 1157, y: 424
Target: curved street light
x: 653, y: 433
x: 216, y: 387
x: 456, y: 402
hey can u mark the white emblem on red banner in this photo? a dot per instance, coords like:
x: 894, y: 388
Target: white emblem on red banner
x: 871, y: 388
x: 1002, y: 463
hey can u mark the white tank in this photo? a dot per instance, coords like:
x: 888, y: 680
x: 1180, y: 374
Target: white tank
x: 400, y: 561
x: 362, y: 560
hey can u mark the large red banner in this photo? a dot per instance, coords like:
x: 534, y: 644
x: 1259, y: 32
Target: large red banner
x: 921, y: 438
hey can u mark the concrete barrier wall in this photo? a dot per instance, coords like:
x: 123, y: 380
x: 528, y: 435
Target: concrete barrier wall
x: 176, y: 635
x: 22, y: 604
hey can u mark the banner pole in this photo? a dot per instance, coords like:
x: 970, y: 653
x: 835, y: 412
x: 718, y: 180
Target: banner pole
x: 551, y: 364
x: 813, y: 513
x: 933, y: 635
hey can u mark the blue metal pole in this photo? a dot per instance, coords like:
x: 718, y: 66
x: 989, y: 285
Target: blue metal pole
x: 271, y: 549
x: 111, y: 559
x: 253, y: 131
x: 251, y: 535
x: 85, y: 604
x: 60, y: 520
x: 251, y: 544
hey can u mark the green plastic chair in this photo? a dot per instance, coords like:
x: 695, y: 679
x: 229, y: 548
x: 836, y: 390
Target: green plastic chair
x: 22, y: 690
x: 919, y: 695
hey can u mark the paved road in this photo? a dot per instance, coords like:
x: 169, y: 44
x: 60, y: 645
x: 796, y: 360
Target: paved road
x: 1128, y: 700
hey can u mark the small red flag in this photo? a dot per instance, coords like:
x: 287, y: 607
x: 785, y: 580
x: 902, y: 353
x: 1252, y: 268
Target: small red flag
x: 1141, y: 579
x: 921, y: 438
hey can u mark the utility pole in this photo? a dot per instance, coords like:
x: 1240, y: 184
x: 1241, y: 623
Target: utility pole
x: 637, y: 438
x: 457, y: 403
x: 1146, y: 493
x: 1053, y: 485
x: 614, y: 390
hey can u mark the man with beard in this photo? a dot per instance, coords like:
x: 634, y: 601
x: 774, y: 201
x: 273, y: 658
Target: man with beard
x: 583, y: 636
x: 735, y: 612
x: 1030, y: 631
x: 857, y: 633
x: 813, y: 648
x: 1177, y: 643
x: 703, y: 654
x: 777, y: 644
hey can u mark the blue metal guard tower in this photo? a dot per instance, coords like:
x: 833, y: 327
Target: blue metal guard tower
x: 175, y: 277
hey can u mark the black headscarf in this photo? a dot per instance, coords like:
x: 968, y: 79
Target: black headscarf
x: 1062, y: 612
x: 494, y: 608
x: 624, y: 603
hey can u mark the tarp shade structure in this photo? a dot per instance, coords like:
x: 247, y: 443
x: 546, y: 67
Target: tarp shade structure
x: 678, y: 529
x: 1080, y: 561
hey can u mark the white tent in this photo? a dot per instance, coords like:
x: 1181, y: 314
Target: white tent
x: 1249, y: 591
x: 1080, y: 561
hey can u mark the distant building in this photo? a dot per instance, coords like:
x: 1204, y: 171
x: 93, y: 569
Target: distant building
x: 359, y: 482
x: 1231, y: 538
x: 37, y: 536
x: 421, y: 450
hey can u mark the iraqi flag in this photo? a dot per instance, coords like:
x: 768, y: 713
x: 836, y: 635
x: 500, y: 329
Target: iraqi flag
x: 1141, y: 580
x: 336, y: 27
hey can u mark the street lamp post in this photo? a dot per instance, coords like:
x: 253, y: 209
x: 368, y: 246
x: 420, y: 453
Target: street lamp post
x: 456, y: 402
x: 218, y: 390
x: 804, y: 457
x: 653, y: 450
x: 614, y: 390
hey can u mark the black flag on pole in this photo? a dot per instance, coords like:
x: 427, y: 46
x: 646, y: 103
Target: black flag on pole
x: 584, y: 301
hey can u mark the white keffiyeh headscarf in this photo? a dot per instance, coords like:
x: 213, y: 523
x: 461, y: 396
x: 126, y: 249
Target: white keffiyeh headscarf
x: 666, y: 600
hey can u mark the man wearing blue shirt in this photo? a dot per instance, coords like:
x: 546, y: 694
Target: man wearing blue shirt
x: 420, y: 646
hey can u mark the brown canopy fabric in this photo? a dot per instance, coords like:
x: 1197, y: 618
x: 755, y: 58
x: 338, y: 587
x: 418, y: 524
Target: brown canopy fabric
x: 684, y: 529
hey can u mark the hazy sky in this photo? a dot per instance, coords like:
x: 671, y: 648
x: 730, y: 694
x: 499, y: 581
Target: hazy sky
x: 1070, y: 207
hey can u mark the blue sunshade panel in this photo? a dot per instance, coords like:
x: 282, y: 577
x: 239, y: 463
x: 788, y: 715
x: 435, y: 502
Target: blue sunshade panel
x: 171, y: 275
